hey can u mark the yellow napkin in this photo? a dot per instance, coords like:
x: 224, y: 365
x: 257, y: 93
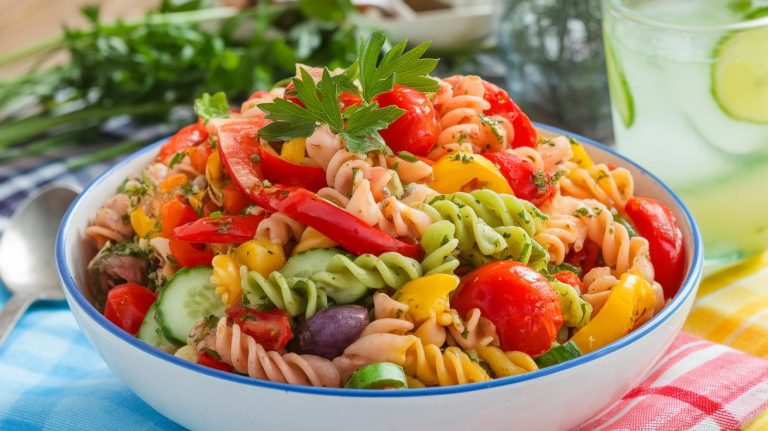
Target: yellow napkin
x: 731, y: 307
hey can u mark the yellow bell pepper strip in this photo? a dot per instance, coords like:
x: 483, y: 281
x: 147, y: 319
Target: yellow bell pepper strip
x: 580, y: 156
x: 293, y: 150
x: 261, y: 255
x: 427, y: 295
x: 464, y: 172
x: 141, y: 223
x: 629, y: 299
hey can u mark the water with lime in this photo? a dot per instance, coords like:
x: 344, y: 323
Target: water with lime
x: 689, y: 88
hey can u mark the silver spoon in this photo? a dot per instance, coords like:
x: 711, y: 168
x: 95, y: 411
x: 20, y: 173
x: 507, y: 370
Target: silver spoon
x: 27, y: 265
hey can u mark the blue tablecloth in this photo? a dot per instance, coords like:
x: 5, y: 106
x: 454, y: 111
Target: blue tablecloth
x: 50, y: 375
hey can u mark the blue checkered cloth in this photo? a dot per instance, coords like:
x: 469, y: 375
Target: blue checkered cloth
x: 50, y: 375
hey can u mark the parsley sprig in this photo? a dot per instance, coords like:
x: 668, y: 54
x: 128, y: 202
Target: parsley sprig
x: 358, y: 125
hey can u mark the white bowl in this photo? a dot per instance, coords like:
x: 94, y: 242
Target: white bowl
x: 197, y: 397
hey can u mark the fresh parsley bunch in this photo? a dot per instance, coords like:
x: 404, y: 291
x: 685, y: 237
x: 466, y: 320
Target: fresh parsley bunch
x: 146, y: 68
x: 358, y: 125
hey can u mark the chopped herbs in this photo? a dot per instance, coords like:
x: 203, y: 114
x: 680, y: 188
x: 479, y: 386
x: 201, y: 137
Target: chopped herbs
x: 408, y: 157
x: 582, y: 212
x: 215, y: 214
x: 212, y: 353
x: 176, y: 159
x: 462, y: 157
x: 495, y: 127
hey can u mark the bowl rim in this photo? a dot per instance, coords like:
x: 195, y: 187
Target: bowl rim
x: 692, y: 280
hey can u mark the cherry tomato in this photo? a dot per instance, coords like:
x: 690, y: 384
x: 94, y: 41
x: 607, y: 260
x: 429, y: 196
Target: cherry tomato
x: 586, y: 258
x: 416, y: 130
x: 259, y: 94
x: 520, y: 174
x: 127, y: 304
x: 349, y: 99
x: 175, y: 213
x: 517, y: 299
x: 501, y: 104
x: 234, y: 201
x: 279, y: 170
x: 569, y: 277
x: 189, y: 255
x: 656, y: 223
x: 225, y: 229
x: 271, y: 329
x: 209, y: 361
x: 198, y: 156
x: 190, y: 136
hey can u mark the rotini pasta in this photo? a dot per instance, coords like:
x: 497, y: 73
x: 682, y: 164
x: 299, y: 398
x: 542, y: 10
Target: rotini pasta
x: 248, y: 357
x: 296, y: 295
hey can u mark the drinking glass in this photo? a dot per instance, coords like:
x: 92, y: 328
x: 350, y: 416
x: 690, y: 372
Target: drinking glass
x: 689, y: 89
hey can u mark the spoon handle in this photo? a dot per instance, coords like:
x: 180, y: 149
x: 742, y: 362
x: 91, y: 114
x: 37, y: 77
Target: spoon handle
x: 10, y: 314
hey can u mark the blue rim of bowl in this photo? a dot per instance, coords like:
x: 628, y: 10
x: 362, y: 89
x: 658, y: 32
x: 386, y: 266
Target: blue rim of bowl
x: 689, y: 286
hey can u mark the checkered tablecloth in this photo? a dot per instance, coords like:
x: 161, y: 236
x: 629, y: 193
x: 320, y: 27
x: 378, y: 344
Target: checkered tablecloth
x: 51, y: 378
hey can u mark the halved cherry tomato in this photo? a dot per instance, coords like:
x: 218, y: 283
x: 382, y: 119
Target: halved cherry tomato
x: 190, y: 136
x: 225, y: 229
x: 501, y: 104
x: 656, y: 223
x: 189, y: 255
x: 586, y: 258
x: 209, y: 361
x: 416, y: 130
x: 271, y: 329
x: 520, y: 174
x: 238, y: 143
x: 233, y: 200
x: 279, y: 170
x: 127, y: 304
x: 175, y: 213
x: 518, y: 300
x: 569, y: 277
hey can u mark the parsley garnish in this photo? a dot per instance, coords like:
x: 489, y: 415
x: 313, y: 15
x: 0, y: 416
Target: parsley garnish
x: 216, y: 106
x: 215, y: 214
x: 396, y: 67
x: 582, y: 212
x: 212, y: 353
x: 357, y: 125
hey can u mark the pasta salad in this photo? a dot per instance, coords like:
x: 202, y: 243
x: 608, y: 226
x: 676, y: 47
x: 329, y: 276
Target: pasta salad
x: 377, y: 227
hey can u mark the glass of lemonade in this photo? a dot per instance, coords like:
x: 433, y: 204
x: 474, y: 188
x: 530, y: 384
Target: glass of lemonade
x: 689, y: 89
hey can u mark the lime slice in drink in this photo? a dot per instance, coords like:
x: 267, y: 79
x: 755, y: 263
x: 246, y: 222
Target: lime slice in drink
x: 740, y: 73
x: 621, y: 97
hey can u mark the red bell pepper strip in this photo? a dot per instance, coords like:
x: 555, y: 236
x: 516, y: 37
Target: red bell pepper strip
x: 238, y: 144
x: 189, y: 255
x: 656, y: 223
x: 281, y: 171
x: 224, y: 229
x: 188, y: 137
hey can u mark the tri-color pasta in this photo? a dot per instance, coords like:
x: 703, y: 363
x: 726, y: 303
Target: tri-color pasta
x: 316, y: 248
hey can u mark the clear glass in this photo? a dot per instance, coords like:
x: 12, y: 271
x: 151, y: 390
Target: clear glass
x: 553, y: 51
x: 689, y: 90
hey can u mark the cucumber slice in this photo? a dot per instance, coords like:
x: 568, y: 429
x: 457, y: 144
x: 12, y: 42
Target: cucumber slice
x: 151, y: 333
x: 621, y: 96
x: 740, y: 74
x: 378, y: 375
x: 558, y: 354
x: 187, y: 297
x: 309, y: 263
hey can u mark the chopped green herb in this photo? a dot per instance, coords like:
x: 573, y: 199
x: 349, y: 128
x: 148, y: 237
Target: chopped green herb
x: 582, y: 212
x: 215, y: 214
x: 407, y: 156
x: 212, y: 353
x: 176, y: 158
